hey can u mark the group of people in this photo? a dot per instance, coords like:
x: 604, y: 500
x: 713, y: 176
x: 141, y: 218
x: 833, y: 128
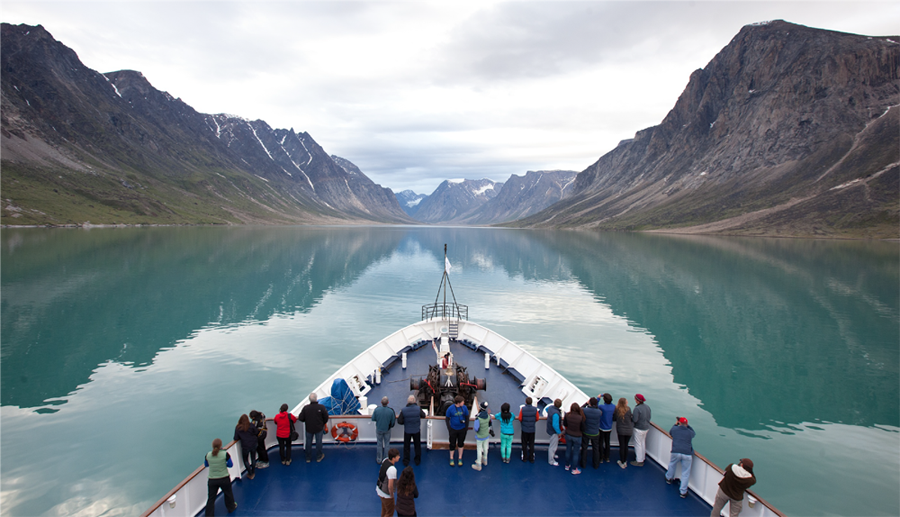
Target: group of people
x: 588, y: 426
x: 251, y: 431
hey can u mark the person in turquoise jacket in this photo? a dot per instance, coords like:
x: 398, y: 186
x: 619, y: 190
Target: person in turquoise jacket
x: 506, y: 431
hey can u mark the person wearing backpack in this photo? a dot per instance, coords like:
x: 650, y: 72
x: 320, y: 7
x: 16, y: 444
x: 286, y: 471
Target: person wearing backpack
x: 387, y: 483
x: 258, y: 419
x: 482, y: 433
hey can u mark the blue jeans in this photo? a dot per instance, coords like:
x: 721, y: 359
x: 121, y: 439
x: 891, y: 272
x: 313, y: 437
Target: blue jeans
x: 573, y: 450
x: 685, y: 460
x: 382, y: 441
x: 308, y: 444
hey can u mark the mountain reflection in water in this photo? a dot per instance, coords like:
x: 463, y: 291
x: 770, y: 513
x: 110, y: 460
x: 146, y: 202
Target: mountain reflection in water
x: 785, y: 349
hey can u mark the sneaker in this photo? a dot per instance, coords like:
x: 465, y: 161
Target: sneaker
x: 321, y: 457
x: 623, y: 465
x: 262, y: 465
x: 251, y: 476
x: 476, y: 466
x: 554, y: 464
x: 684, y: 495
x: 287, y: 462
x: 308, y: 460
x: 452, y: 463
x: 283, y: 462
x: 459, y: 463
x: 576, y: 472
x: 484, y: 461
x: 637, y: 463
x: 568, y: 467
x: 668, y: 481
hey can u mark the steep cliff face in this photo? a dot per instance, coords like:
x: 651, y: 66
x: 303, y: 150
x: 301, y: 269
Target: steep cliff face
x: 775, y: 123
x: 522, y: 196
x: 81, y: 146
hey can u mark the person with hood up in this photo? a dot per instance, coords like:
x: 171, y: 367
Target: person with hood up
x: 738, y: 478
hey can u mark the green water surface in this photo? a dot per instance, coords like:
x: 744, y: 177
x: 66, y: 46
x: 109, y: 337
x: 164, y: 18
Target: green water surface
x: 126, y: 351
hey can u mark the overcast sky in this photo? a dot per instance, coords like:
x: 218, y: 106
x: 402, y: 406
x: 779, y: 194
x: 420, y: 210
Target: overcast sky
x: 417, y: 92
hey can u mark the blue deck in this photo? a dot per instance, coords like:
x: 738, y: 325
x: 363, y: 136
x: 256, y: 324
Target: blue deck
x: 344, y: 484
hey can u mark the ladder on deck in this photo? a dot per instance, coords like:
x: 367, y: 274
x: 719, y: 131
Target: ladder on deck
x: 454, y: 329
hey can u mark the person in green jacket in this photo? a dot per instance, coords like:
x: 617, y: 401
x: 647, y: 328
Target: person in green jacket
x: 217, y: 464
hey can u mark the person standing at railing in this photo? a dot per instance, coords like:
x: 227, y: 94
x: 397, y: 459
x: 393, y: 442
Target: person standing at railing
x: 507, y: 431
x: 457, y: 425
x: 607, y: 410
x: 411, y: 419
x: 574, y: 423
x: 258, y: 419
x: 591, y: 436
x: 528, y: 417
x: 384, y: 420
x: 553, y: 414
x: 283, y: 421
x: 682, y: 452
x: 217, y: 464
x: 624, y: 429
x: 641, y: 418
x: 246, y: 433
x: 315, y: 416
x: 738, y: 478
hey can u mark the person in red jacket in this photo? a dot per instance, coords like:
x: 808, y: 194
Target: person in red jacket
x: 284, y: 420
x: 738, y: 478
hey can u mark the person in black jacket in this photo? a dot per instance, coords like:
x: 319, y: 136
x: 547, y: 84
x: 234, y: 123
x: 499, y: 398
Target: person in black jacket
x: 259, y: 420
x: 246, y: 433
x: 407, y: 492
x: 315, y: 416
x: 411, y: 417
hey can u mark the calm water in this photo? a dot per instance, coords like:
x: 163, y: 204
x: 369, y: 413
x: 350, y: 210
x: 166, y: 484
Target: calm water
x: 126, y: 351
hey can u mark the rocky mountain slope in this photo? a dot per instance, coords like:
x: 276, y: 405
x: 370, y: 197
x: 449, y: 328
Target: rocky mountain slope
x: 789, y: 130
x: 78, y: 146
x: 523, y: 196
x: 454, y: 200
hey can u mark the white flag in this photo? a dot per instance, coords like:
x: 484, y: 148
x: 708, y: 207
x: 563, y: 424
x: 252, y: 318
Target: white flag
x: 447, y: 265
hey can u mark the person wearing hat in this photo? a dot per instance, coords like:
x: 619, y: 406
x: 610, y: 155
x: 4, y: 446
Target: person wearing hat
x: 682, y: 452
x: 738, y: 478
x: 641, y: 417
x: 482, y: 433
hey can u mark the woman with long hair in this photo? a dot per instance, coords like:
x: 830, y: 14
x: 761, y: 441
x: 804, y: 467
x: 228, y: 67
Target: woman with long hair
x: 217, y: 463
x: 407, y: 492
x: 505, y: 417
x: 574, y: 423
x: 283, y: 421
x: 246, y: 433
x: 624, y: 429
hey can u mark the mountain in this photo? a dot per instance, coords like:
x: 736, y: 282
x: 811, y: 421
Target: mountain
x: 523, y: 196
x: 78, y: 145
x: 409, y: 201
x: 789, y: 130
x: 453, y: 200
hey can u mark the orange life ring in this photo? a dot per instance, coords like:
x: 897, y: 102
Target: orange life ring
x: 344, y: 432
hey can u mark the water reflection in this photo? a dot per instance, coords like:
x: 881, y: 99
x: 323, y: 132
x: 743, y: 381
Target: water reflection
x: 76, y: 299
x: 800, y: 328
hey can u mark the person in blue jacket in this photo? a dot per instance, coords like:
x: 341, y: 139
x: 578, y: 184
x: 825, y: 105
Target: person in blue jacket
x: 682, y: 452
x: 506, y: 431
x: 606, y: 420
x: 457, y: 425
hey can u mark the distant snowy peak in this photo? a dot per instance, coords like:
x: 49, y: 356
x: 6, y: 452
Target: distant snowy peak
x: 410, y: 201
